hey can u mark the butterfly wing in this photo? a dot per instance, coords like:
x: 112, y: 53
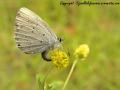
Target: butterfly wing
x: 32, y: 34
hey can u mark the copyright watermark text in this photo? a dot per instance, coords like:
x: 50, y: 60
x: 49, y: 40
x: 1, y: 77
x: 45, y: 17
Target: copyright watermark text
x: 89, y: 3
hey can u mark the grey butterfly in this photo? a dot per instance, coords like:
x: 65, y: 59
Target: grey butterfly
x: 33, y: 35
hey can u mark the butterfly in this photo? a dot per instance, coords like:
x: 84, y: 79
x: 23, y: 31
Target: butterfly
x: 33, y: 35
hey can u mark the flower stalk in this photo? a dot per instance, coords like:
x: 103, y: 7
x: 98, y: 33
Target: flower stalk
x: 70, y: 73
x: 80, y: 53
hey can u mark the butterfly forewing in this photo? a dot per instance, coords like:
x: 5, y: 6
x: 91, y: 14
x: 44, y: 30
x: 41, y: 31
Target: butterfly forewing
x: 32, y: 34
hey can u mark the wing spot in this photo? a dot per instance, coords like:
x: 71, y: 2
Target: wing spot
x: 16, y: 25
x: 18, y: 14
x: 19, y: 45
x: 41, y: 41
x: 43, y: 34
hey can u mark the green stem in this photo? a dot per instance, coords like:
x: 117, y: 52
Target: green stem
x: 46, y: 77
x: 69, y: 75
x: 42, y: 85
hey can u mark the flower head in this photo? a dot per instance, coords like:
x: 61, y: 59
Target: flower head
x: 82, y: 51
x: 59, y: 58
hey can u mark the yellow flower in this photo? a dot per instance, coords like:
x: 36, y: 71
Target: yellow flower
x: 82, y: 51
x: 59, y: 58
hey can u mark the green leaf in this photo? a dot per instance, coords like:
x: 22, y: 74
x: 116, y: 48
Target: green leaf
x: 41, y: 81
x: 56, y: 85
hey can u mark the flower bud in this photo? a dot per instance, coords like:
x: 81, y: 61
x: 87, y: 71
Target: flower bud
x: 82, y: 51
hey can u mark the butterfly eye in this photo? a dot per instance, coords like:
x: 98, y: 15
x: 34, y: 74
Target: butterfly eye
x: 60, y: 39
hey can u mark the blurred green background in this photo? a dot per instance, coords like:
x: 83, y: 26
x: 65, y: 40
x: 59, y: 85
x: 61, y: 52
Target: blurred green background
x: 97, y: 26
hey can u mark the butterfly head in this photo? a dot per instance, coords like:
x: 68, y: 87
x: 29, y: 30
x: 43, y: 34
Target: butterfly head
x: 58, y: 44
